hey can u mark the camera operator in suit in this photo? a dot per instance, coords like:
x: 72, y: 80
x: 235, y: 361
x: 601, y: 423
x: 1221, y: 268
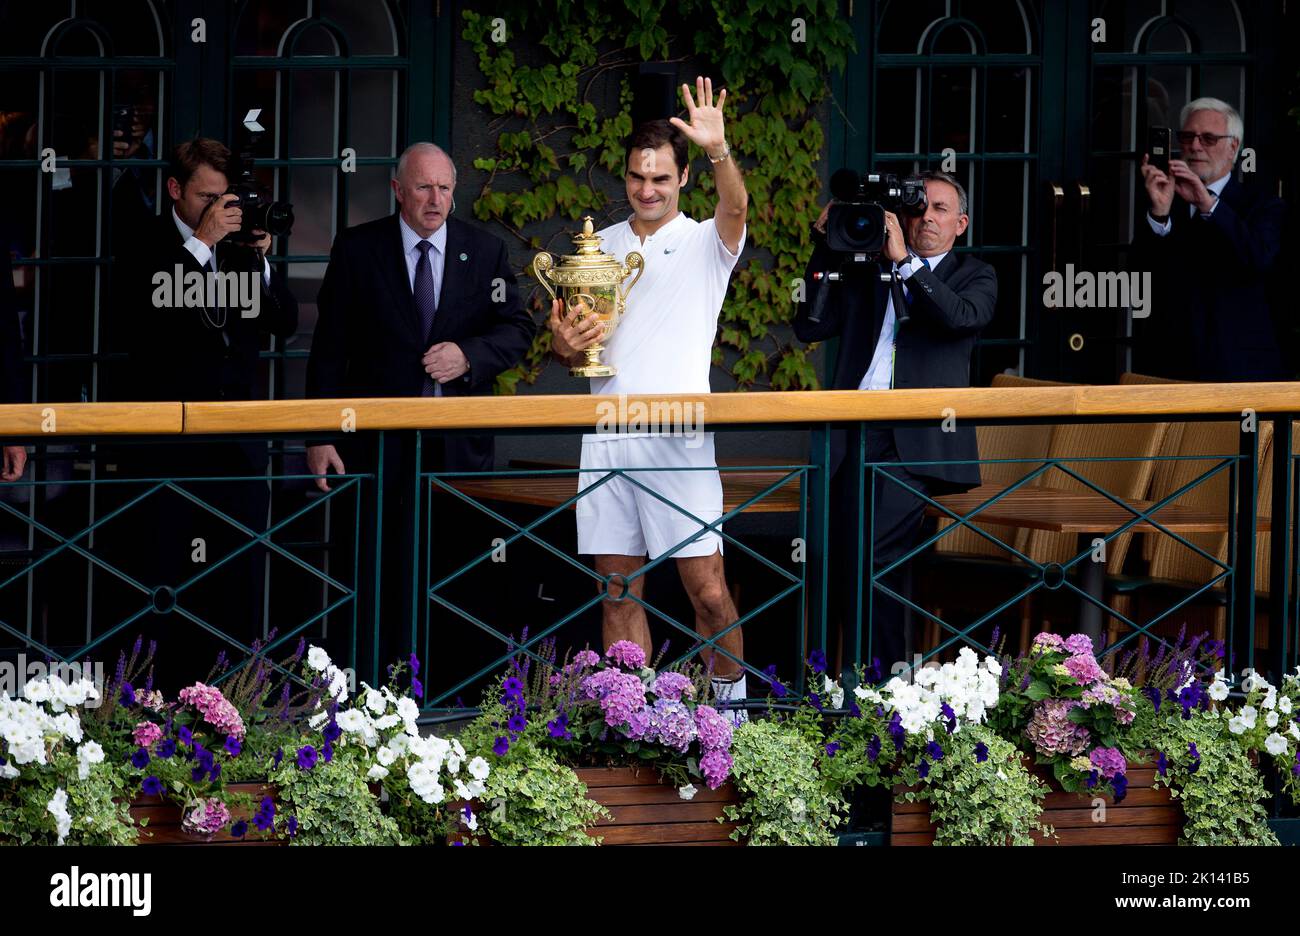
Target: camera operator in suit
x: 947, y: 298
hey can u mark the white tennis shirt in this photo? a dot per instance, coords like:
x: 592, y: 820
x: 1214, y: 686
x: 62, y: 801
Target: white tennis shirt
x: 664, y: 343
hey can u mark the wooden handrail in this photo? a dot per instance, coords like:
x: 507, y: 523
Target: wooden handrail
x: 585, y: 411
x: 81, y: 419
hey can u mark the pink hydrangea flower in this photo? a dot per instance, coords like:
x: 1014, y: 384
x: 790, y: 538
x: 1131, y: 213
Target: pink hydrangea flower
x: 1045, y: 641
x: 626, y: 653
x: 1084, y: 670
x: 210, y: 815
x: 146, y: 734
x: 215, y: 708
x: 1078, y: 644
x: 1051, y: 731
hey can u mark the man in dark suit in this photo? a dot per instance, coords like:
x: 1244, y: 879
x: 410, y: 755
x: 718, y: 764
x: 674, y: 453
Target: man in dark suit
x: 949, y: 299
x: 13, y: 388
x: 1211, y: 245
x: 186, y: 341
x: 417, y: 304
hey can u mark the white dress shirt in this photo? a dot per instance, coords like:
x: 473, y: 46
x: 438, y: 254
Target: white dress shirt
x: 880, y: 374
x: 203, y: 253
x: 437, y: 262
x: 1215, y: 188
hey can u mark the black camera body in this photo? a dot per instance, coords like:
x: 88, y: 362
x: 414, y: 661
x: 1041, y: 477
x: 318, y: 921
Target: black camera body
x: 856, y: 221
x: 260, y: 211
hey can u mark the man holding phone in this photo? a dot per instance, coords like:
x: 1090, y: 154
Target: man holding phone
x: 1210, y: 243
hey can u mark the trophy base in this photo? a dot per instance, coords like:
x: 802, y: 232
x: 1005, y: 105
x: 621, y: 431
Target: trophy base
x: 593, y: 370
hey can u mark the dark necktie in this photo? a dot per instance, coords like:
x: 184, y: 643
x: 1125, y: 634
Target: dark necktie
x: 426, y: 303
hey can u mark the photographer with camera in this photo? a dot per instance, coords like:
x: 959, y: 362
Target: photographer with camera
x: 907, y: 310
x: 189, y: 341
x: 1211, y: 245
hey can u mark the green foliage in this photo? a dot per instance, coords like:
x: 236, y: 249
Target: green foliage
x: 784, y: 800
x: 1222, y: 793
x: 532, y: 799
x: 996, y: 801
x: 333, y: 804
x: 98, y: 805
x: 556, y: 140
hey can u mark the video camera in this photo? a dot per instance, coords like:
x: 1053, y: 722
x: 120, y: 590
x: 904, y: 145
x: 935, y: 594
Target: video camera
x: 856, y: 222
x: 855, y: 227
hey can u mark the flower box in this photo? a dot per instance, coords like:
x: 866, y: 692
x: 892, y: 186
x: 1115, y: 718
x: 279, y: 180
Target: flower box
x: 646, y: 811
x: 164, y: 817
x: 1146, y: 816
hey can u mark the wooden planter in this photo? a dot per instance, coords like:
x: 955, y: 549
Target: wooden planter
x: 1146, y: 816
x: 648, y: 812
x: 164, y: 817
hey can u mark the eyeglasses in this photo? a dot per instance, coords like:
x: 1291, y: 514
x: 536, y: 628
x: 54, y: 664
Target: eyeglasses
x: 1185, y: 137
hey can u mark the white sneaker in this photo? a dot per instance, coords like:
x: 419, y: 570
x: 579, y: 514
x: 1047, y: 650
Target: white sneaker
x: 724, y: 690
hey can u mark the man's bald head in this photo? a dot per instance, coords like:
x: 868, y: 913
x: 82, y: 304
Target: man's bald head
x: 424, y: 183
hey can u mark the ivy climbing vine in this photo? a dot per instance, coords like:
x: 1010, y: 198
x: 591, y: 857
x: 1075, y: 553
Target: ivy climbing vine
x: 772, y: 56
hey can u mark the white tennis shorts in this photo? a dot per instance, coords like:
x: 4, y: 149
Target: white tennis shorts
x: 624, y: 519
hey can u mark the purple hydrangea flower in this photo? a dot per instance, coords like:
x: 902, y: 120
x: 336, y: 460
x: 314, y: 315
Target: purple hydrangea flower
x: 1083, y: 669
x: 714, y: 730
x: 673, y: 686
x: 620, y: 694
x: 670, y: 723
x: 716, y: 767
x: 586, y: 659
x: 1108, y: 761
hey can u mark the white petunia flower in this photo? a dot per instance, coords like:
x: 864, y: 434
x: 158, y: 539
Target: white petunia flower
x: 317, y: 659
x: 478, y: 768
x: 1248, y: 715
x: 834, y: 690
x: 1218, y: 690
x: 1275, y: 744
x: 1237, y: 725
x: 88, y: 754
x: 1271, y: 719
x: 58, y: 808
x: 377, y: 772
x: 385, y: 755
x: 687, y: 792
x: 1284, y: 705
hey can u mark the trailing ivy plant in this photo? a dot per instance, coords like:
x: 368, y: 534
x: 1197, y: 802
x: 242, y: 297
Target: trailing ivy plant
x: 333, y: 804
x: 1210, y: 772
x: 783, y: 798
x: 980, y: 792
x: 771, y: 55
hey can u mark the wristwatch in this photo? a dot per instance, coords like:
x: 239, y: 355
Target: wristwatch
x: 726, y: 154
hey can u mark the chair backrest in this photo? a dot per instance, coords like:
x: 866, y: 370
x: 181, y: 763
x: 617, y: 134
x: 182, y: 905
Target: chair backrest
x: 1132, y: 445
x: 1170, y: 559
x: 1001, y: 442
x: 1162, y: 475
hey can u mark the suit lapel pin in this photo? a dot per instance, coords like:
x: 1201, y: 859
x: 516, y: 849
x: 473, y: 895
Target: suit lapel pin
x: 464, y: 256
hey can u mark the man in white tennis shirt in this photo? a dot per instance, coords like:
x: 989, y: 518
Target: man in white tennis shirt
x: 664, y: 344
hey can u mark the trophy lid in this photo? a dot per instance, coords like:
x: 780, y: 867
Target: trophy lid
x: 589, y: 266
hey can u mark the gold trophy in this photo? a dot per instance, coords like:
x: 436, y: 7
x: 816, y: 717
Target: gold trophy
x: 590, y: 283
